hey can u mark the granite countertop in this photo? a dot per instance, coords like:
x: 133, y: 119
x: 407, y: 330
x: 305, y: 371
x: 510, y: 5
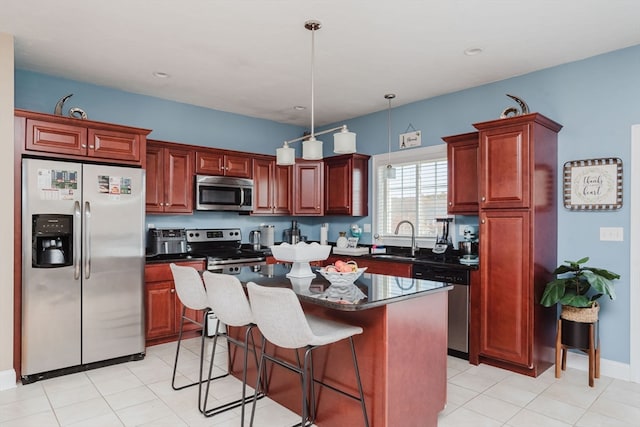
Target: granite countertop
x: 369, y: 291
x: 155, y: 259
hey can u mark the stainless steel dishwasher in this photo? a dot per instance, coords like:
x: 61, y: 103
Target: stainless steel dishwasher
x: 460, y: 278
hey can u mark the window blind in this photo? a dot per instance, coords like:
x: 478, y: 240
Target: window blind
x: 418, y: 193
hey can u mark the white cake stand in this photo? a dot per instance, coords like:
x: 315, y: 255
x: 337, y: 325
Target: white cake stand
x: 300, y: 255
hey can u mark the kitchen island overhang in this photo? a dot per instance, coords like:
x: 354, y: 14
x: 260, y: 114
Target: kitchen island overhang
x: 402, y: 352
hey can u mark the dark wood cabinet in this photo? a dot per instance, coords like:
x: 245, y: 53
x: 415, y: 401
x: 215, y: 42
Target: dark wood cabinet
x: 346, y: 190
x: 308, y: 183
x: 462, y: 170
x: 505, y: 300
x: 163, y: 308
x: 504, y: 176
x: 170, y: 178
x: 272, y: 187
x: 219, y: 162
x: 70, y: 138
x: 518, y: 228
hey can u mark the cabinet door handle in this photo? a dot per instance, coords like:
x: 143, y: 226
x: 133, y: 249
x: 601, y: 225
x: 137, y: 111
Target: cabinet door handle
x: 92, y: 146
x: 84, y: 145
x: 482, y: 222
x: 483, y: 199
x: 173, y: 291
x: 450, y: 204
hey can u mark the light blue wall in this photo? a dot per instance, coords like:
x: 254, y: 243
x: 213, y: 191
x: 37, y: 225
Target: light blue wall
x: 596, y: 100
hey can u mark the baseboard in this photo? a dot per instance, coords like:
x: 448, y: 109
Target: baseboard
x: 608, y: 368
x: 7, y: 379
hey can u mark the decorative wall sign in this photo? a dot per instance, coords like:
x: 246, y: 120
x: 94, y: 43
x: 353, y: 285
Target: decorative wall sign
x: 593, y: 184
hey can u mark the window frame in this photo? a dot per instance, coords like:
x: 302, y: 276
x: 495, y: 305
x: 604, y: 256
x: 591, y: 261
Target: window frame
x: 432, y: 152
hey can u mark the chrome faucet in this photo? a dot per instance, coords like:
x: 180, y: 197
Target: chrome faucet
x: 413, y: 235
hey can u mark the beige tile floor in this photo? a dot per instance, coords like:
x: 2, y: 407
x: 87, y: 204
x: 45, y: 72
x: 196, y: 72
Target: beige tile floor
x: 139, y: 394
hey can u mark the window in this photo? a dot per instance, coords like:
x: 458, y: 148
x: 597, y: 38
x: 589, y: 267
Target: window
x: 418, y: 193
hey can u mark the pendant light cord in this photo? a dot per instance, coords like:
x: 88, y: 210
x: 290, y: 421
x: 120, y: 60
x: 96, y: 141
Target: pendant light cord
x: 313, y: 55
x: 389, y: 97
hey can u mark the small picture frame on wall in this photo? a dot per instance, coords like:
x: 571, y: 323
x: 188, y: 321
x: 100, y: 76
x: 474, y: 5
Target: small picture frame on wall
x: 593, y: 184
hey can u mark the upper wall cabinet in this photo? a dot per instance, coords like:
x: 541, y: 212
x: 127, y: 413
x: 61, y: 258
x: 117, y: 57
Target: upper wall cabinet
x: 308, y: 183
x: 462, y: 158
x: 272, y: 186
x: 65, y: 137
x: 346, y: 190
x: 509, y: 161
x: 219, y: 162
x: 169, y: 178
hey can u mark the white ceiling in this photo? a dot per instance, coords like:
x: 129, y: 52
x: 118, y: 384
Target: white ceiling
x: 253, y: 57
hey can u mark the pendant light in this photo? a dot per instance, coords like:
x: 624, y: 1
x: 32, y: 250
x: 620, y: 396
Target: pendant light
x: 343, y: 141
x: 390, y: 172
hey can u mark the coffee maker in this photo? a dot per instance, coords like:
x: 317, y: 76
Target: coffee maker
x: 52, y: 240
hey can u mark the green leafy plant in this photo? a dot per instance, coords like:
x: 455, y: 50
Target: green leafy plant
x: 577, y: 285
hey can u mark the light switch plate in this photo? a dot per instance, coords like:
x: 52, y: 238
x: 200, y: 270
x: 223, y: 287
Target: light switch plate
x: 611, y: 234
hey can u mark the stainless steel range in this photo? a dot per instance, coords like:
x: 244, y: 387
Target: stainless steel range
x: 223, y: 249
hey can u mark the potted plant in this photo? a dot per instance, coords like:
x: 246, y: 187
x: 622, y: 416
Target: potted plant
x: 577, y: 288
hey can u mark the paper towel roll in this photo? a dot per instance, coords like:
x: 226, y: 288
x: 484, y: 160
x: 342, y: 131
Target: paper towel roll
x: 324, y: 234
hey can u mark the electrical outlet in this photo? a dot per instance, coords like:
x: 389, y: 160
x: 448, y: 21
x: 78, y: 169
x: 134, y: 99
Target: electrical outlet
x: 150, y: 226
x: 611, y: 234
x: 367, y: 228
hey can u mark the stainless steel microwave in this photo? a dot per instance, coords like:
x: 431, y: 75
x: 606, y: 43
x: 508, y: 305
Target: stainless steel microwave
x: 223, y: 193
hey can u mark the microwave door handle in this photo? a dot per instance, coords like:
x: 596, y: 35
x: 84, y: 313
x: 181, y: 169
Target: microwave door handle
x: 242, y: 197
x: 87, y: 240
x: 77, y: 233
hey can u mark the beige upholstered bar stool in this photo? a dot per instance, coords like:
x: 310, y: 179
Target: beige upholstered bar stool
x: 280, y: 318
x: 192, y: 295
x: 228, y: 301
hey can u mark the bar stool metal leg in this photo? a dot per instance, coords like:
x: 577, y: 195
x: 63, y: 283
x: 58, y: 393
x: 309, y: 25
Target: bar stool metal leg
x: 248, y: 346
x: 175, y: 362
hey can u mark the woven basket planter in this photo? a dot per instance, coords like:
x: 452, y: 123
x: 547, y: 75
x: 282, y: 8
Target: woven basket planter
x: 580, y: 315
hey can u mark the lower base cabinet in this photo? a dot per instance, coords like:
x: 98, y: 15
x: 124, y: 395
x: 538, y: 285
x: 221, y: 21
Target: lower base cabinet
x: 163, y: 308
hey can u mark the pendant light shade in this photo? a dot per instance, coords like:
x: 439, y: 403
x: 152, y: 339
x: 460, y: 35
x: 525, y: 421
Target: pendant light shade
x: 312, y: 149
x: 285, y: 155
x: 343, y: 141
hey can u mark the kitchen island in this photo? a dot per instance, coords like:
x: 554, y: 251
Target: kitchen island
x: 402, y: 353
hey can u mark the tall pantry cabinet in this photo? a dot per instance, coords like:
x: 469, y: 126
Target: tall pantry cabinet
x: 518, y: 227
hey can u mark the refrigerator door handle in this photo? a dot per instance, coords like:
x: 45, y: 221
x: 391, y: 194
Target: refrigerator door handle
x: 87, y: 240
x: 76, y: 240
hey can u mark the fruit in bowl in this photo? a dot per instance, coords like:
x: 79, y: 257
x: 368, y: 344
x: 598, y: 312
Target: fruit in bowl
x: 342, y: 267
x: 342, y: 273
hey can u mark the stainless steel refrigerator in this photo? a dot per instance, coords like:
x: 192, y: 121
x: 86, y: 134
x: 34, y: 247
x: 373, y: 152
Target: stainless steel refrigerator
x: 82, y: 265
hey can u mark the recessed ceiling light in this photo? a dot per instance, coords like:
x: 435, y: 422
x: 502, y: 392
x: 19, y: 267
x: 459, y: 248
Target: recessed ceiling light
x: 472, y: 51
x: 299, y: 107
x: 161, y: 75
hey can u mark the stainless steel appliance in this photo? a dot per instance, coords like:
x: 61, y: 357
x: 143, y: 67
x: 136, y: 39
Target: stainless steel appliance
x: 267, y: 235
x: 167, y: 241
x: 254, y: 239
x: 443, y: 240
x: 448, y: 270
x: 82, y: 266
x: 291, y: 235
x: 223, y: 193
x: 223, y: 249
